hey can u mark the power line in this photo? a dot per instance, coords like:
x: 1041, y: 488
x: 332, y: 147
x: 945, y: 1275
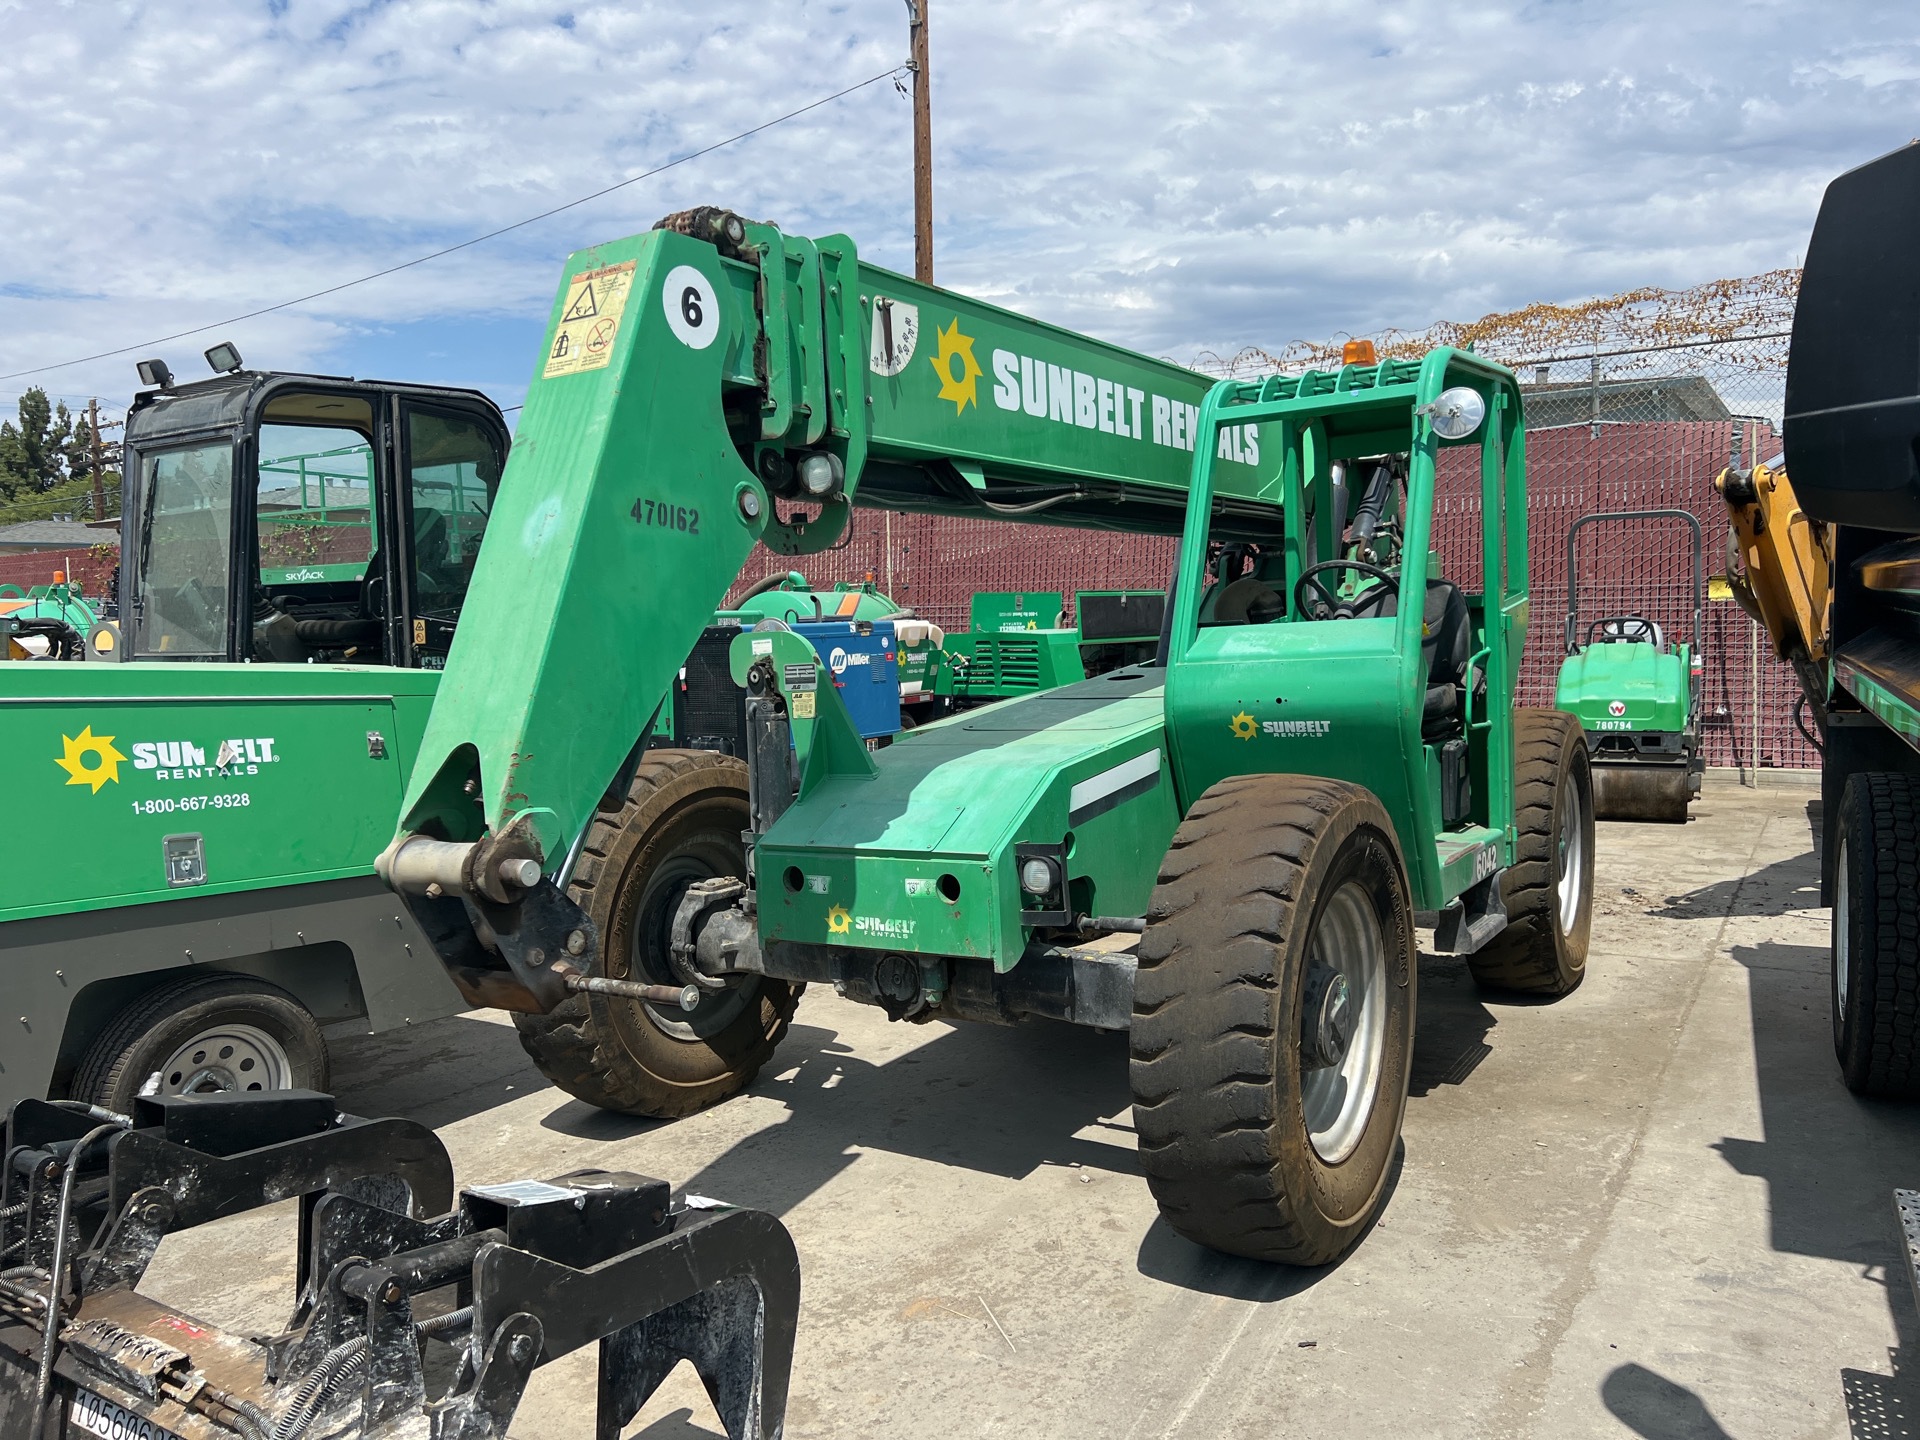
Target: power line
x: 476, y: 240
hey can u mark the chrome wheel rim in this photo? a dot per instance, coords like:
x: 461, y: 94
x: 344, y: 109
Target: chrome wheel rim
x: 1338, y: 1099
x: 225, y: 1057
x: 1570, y: 858
x: 1840, y: 966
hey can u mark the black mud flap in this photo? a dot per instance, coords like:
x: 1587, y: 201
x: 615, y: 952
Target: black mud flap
x: 1473, y: 918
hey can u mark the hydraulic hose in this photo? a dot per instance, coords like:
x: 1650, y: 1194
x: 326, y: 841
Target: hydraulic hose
x: 1373, y: 504
x: 773, y: 582
x: 62, y: 1223
x: 340, y: 1365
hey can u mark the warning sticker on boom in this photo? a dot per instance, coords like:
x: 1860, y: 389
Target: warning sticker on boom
x: 590, y: 320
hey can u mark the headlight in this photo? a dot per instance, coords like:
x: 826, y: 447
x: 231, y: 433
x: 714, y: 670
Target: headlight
x: 820, y: 475
x: 1036, y: 876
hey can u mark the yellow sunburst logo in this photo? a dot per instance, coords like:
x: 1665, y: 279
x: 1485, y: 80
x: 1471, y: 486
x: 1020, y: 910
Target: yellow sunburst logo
x: 1243, y: 726
x: 838, y: 920
x: 956, y: 355
x: 104, y: 766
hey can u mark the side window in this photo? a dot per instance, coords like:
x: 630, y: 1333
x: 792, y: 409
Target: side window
x: 186, y: 543
x: 315, y: 513
x: 453, y: 470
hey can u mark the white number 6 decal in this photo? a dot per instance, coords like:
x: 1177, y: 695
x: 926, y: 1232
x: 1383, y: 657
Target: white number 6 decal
x: 692, y: 309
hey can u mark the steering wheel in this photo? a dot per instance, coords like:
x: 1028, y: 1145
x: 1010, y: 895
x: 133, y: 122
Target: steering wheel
x: 1624, y: 629
x: 1314, y: 599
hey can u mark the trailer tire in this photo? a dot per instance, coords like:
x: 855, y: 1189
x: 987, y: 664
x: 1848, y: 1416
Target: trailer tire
x: 682, y: 821
x: 1875, y: 970
x: 1272, y: 884
x: 250, y: 1036
x: 1549, y: 886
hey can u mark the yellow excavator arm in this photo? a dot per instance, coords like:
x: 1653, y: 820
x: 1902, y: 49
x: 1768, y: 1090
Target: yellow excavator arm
x: 1784, y: 578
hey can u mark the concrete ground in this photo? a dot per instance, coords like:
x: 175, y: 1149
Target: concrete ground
x: 1648, y: 1209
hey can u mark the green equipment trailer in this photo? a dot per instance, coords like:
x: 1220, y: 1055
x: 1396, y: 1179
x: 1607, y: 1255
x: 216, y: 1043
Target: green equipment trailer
x: 1017, y: 642
x: 46, y: 622
x: 1636, y: 692
x: 1324, y: 746
x: 296, y: 553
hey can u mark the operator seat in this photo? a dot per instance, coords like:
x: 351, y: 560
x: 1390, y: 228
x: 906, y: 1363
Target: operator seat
x: 1630, y: 629
x: 1446, y: 642
x: 1248, y: 601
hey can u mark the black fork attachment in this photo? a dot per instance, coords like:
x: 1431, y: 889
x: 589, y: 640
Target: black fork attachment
x: 398, y: 1285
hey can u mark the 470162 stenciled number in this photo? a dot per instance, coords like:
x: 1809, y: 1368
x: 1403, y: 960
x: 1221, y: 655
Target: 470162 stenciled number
x: 685, y: 518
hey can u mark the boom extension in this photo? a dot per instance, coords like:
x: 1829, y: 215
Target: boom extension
x: 702, y: 386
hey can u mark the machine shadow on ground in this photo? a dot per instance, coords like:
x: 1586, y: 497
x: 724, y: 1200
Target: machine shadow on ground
x: 439, y: 1073
x: 998, y: 1101
x: 1830, y: 1161
x: 1777, y: 889
x: 1451, y: 1025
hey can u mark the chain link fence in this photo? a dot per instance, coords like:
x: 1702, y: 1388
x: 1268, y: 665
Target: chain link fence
x: 1634, y: 402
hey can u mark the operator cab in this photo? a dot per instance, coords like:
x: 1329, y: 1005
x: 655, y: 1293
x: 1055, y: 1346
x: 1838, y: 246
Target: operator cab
x: 1248, y: 582
x: 303, y: 518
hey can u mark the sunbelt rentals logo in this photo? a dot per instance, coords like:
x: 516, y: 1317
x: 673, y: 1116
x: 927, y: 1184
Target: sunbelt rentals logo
x: 959, y: 371
x: 95, y: 760
x: 1034, y: 386
x: 90, y: 759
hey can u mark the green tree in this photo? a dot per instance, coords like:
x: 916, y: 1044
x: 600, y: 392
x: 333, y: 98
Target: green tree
x: 34, y: 453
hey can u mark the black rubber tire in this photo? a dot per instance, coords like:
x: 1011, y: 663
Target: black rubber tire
x: 1215, y: 1043
x: 125, y: 1055
x: 1536, y: 954
x: 1876, y: 1033
x: 683, y: 818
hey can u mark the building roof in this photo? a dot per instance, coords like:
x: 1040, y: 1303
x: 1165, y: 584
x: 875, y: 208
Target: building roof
x: 1635, y: 397
x: 330, y: 494
x: 56, y: 535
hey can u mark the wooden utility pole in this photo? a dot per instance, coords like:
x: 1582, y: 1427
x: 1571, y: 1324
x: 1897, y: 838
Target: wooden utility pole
x: 922, y: 144
x: 93, y: 435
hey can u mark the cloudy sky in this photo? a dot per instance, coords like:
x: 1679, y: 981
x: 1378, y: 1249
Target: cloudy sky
x: 1178, y: 177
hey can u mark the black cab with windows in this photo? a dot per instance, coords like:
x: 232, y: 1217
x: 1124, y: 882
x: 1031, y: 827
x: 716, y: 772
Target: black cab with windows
x: 303, y: 518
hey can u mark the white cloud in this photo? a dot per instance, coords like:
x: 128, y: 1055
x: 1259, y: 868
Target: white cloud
x: 1173, y: 176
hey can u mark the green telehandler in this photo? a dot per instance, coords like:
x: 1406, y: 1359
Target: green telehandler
x: 1324, y: 746
x: 1637, y: 692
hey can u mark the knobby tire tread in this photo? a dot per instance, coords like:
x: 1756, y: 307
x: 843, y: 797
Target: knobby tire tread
x: 569, y: 1044
x: 1205, y: 1102
x: 1527, y: 956
x: 1887, y: 837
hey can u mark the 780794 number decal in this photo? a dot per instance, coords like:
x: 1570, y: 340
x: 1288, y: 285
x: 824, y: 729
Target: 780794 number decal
x: 669, y: 517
